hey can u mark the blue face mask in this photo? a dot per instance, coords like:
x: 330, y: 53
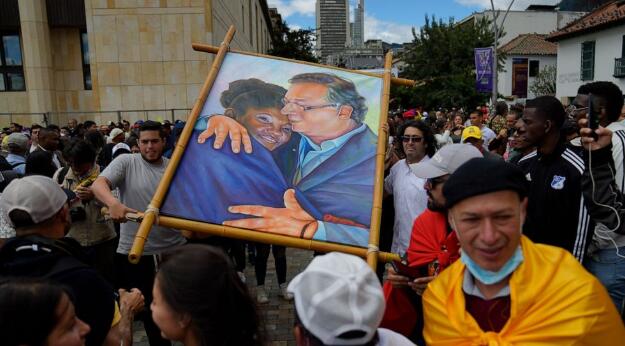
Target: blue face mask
x: 488, y: 277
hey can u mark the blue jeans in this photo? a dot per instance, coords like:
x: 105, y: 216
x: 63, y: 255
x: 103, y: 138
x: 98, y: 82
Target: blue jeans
x: 610, y: 270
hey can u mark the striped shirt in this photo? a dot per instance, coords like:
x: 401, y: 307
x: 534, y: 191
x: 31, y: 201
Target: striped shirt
x: 556, y: 213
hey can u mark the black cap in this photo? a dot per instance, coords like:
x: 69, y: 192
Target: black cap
x: 480, y: 176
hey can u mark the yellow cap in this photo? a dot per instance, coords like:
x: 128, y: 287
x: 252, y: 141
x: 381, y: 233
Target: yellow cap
x: 471, y: 132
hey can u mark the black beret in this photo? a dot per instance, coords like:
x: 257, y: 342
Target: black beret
x: 480, y: 176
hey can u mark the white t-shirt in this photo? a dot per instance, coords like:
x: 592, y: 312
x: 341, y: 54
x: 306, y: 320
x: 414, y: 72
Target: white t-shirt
x: 410, y: 200
x: 388, y: 337
x: 137, y: 180
x: 487, y: 135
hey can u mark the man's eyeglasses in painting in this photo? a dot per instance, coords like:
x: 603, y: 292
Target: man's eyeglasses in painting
x: 303, y: 108
x: 415, y: 139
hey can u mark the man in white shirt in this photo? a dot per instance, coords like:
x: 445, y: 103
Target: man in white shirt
x: 477, y: 119
x: 409, y: 195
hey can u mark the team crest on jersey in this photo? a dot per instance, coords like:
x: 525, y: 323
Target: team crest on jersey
x: 558, y: 182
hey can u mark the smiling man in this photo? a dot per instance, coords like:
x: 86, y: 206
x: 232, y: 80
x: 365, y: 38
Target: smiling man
x: 505, y: 289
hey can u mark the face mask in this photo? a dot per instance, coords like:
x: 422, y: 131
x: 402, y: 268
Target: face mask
x: 488, y: 277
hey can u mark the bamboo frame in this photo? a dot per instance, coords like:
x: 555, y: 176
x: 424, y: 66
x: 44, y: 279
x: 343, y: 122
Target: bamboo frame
x: 212, y: 49
x: 149, y: 218
x: 378, y: 193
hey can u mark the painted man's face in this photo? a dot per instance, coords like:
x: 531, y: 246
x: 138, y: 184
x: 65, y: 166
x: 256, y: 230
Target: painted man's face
x: 322, y: 120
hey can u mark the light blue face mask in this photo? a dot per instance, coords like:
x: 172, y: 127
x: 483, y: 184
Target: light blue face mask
x: 488, y: 277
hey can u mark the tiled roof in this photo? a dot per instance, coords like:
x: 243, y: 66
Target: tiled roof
x: 605, y: 16
x: 530, y: 44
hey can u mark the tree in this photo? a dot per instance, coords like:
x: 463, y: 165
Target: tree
x: 293, y: 44
x: 545, y: 83
x: 441, y: 55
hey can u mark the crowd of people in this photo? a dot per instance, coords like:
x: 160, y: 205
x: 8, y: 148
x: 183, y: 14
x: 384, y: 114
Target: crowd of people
x: 508, y: 225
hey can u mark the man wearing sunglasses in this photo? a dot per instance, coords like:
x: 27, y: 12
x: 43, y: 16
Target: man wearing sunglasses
x: 433, y: 244
x: 409, y: 196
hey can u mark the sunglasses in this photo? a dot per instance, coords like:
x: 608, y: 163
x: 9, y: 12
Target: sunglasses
x: 415, y: 139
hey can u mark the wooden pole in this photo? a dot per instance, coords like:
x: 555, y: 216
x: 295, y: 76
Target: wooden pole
x: 212, y: 49
x: 151, y: 213
x: 262, y: 237
x: 378, y: 192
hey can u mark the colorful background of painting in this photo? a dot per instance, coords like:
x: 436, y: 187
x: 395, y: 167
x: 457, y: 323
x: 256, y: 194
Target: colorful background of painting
x: 240, y: 66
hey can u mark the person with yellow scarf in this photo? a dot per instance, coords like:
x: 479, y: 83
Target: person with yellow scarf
x: 506, y: 290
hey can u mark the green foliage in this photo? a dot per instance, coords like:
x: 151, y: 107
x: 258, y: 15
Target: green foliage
x: 545, y: 82
x: 293, y: 44
x: 441, y: 55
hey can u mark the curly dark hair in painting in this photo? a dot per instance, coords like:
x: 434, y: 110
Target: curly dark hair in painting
x: 340, y: 91
x: 243, y: 94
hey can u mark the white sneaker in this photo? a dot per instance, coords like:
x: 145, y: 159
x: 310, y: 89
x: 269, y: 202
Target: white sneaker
x: 242, y: 276
x: 261, y: 295
x: 286, y: 295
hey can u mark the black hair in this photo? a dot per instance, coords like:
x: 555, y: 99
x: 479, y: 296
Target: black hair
x: 549, y: 108
x: 501, y: 108
x: 517, y: 110
x: 39, y: 162
x: 34, y: 127
x: 610, y: 93
x: 315, y: 341
x: 132, y: 141
x: 341, y: 91
x: 150, y: 125
x: 252, y: 93
x: 95, y: 138
x: 79, y: 151
x: 87, y: 124
x: 28, y: 308
x: 428, y: 136
x: 199, y: 281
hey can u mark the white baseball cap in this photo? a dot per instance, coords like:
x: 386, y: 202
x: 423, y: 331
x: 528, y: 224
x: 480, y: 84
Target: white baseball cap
x: 37, y: 195
x: 120, y: 146
x: 336, y: 294
x: 115, y: 132
x: 446, y: 160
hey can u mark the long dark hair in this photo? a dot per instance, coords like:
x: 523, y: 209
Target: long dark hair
x: 28, y: 310
x: 428, y: 136
x: 200, y: 281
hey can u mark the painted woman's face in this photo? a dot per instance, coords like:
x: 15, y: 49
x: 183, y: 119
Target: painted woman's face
x: 268, y: 126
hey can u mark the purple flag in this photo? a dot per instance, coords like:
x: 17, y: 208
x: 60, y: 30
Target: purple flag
x: 484, y: 69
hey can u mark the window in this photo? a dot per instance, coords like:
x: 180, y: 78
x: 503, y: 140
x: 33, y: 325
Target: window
x: 11, y: 65
x: 534, y: 68
x: 588, y: 61
x: 86, y: 66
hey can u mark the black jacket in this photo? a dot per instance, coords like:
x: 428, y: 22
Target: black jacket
x: 556, y: 214
x: 604, y: 200
x: 62, y: 261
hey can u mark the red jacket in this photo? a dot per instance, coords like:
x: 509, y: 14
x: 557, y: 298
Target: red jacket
x: 429, y: 241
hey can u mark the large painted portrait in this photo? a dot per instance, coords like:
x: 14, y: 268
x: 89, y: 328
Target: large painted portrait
x: 283, y: 148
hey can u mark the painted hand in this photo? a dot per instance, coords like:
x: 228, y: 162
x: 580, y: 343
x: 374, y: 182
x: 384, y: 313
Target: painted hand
x: 222, y: 126
x: 293, y: 220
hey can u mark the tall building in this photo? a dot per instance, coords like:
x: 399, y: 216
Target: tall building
x: 106, y: 60
x: 358, y: 31
x: 333, y: 34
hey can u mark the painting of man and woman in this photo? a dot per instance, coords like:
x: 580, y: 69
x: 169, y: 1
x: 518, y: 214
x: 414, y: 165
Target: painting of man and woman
x: 284, y: 148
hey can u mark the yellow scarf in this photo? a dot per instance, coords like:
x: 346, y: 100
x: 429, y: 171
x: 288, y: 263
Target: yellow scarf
x: 554, y: 301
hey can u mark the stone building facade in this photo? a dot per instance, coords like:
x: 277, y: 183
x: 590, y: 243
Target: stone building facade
x: 115, y: 56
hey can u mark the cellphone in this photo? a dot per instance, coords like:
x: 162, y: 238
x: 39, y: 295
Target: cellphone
x: 593, y: 119
x: 405, y: 270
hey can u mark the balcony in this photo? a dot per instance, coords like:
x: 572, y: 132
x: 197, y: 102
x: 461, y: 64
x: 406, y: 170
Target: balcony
x: 619, y: 67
